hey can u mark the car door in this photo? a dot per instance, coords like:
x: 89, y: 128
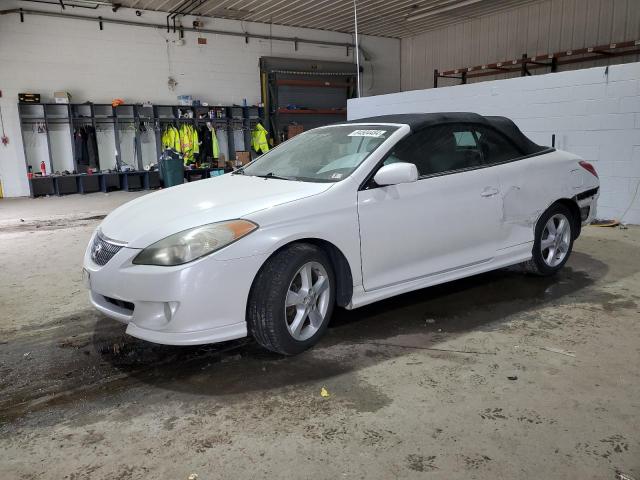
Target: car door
x: 448, y: 219
x: 521, y: 186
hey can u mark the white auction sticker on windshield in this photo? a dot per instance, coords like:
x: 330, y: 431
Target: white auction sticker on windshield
x: 368, y: 133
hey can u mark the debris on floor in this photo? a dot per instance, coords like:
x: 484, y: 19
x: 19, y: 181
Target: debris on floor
x: 623, y: 476
x: 324, y: 393
x: 557, y: 350
x: 605, y: 223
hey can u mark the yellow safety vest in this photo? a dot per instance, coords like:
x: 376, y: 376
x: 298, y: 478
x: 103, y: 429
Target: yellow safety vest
x: 170, y: 138
x: 215, y: 148
x: 259, y: 139
x: 188, y: 142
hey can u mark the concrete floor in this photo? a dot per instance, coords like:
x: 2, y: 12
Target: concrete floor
x: 496, y: 376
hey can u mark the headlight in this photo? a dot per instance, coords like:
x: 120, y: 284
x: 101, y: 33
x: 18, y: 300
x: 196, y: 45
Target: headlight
x: 189, y: 245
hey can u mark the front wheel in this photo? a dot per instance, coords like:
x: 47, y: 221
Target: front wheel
x: 292, y: 299
x: 553, y: 241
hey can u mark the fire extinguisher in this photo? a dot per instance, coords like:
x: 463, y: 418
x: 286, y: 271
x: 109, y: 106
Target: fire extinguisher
x: 43, y: 168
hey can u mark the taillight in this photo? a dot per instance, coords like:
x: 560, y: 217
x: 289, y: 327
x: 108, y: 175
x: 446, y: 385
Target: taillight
x: 589, y: 168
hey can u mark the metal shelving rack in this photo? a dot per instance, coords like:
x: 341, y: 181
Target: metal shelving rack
x: 306, y: 92
x: 312, y: 82
x: 229, y: 118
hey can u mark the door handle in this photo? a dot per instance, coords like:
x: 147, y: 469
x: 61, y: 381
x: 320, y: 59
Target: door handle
x: 489, y: 192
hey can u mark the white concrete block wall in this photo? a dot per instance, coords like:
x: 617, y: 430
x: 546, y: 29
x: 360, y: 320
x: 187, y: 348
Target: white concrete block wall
x: 594, y: 113
x: 46, y: 54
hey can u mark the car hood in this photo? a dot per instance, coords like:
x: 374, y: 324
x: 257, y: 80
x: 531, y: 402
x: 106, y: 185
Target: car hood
x: 153, y: 217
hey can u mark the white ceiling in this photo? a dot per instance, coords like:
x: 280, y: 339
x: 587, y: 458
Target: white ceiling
x: 388, y: 18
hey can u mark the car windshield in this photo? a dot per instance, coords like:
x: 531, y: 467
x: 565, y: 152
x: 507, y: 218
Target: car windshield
x: 327, y: 154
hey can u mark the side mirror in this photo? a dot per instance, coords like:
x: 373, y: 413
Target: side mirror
x: 396, y: 173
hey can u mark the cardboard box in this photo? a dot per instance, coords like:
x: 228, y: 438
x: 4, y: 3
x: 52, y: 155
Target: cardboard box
x: 242, y: 158
x: 29, y: 97
x: 221, y: 162
x: 185, y: 100
x: 293, y: 130
x: 62, y: 97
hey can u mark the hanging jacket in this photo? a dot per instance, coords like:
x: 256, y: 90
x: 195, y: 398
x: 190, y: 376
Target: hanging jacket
x: 174, y: 138
x: 185, y: 139
x: 209, y: 148
x: 188, y: 142
x: 215, y: 148
x: 194, y: 140
x: 165, y: 139
x: 204, y: 135
x: 92, y: 148
x: 80, y: 146
x: 259, y: 139
x: 171, y: 138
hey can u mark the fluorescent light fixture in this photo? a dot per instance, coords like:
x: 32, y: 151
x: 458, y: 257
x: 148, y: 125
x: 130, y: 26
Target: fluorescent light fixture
x: 436, y: 11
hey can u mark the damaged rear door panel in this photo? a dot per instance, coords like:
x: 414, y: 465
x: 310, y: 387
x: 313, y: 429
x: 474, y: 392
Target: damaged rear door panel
x: 530, y: 185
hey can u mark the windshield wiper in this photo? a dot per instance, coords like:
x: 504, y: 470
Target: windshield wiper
x: 240, y: 171
x: 271, y: 175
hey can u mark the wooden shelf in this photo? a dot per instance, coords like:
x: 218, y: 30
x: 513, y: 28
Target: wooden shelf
x: 546, y: 60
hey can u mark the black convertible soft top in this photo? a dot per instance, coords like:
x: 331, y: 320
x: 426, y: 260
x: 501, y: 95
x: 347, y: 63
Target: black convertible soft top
x: 418, y: 121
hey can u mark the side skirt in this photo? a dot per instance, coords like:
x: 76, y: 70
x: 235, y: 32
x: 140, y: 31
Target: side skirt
x: 507, y: 257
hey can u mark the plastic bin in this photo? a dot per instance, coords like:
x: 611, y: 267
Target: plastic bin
x: 154, y: 179
x: 171, y: 170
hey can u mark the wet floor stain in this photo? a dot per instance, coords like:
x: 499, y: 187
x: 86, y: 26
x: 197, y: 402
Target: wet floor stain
x: 56, y: 224
x: 421, y: 463
x: 86, y: 355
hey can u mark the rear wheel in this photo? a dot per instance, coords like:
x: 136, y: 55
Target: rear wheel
x: 553, y: 241
x: 292, y: 299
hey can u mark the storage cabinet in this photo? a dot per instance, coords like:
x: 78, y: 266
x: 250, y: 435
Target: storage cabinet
x: 124, y: 135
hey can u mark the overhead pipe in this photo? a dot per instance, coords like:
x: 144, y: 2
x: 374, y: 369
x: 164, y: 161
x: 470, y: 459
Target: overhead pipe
x: 357, y: 52
x: 173, y: 11
x: 196, y: 4
x: 179, y: 12
x: 187, y: 11
x: 60, y: 2
x: 187, y: 29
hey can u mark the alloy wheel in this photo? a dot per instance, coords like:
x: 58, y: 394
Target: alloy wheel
x: 556, y: 240
x: 307, y: 301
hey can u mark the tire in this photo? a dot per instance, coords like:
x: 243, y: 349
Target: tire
x: 285, y: 278
x: 548, y: 261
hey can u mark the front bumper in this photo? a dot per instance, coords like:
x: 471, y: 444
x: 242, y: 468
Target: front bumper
x: 197, y: 303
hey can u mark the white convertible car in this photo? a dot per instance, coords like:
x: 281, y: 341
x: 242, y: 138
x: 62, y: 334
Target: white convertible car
x: 344, y: 215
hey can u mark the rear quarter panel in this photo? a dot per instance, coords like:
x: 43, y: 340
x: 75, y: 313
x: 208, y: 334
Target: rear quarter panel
x: 530, y: 185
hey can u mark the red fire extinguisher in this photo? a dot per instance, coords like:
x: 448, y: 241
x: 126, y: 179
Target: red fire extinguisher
x: 43, y: 168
